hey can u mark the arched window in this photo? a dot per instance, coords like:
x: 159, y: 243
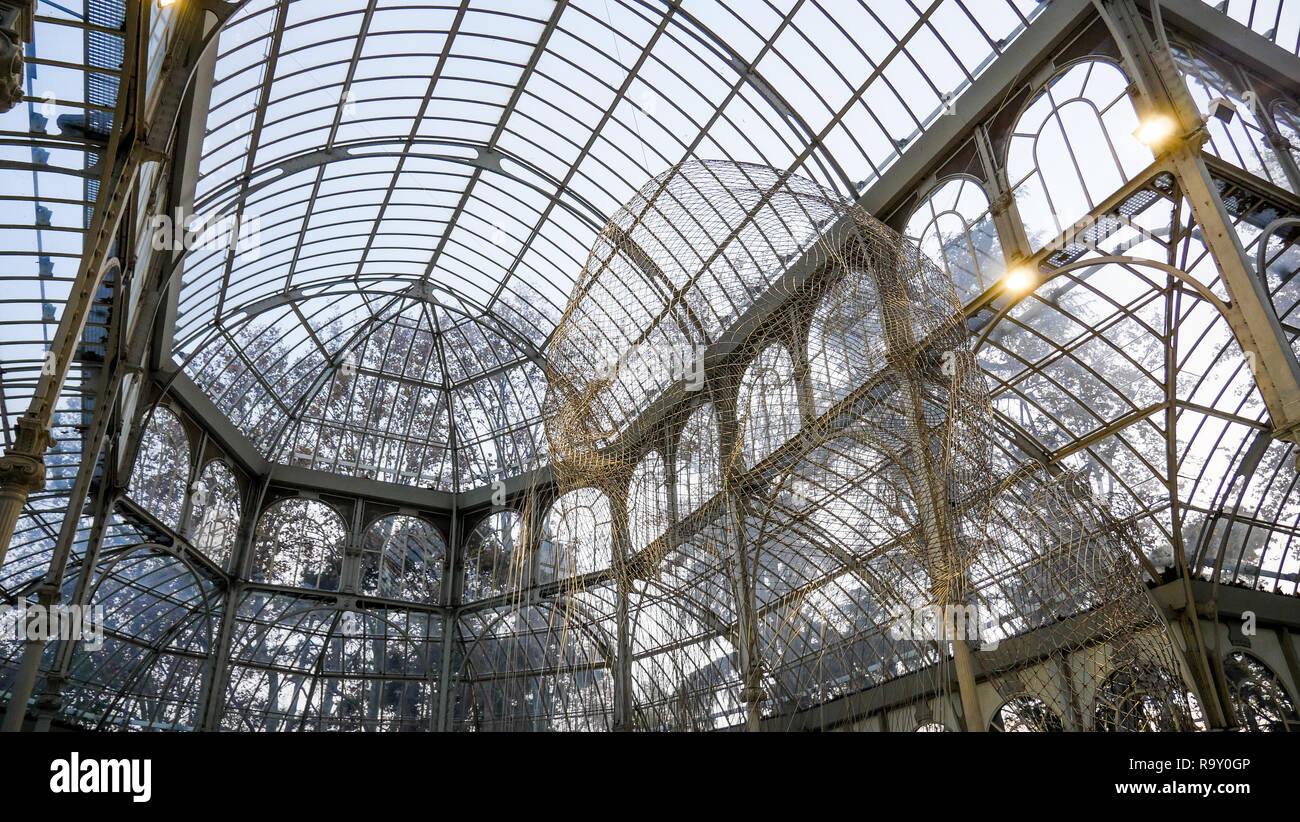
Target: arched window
x: 402, y: 558
x: 162, y: 468
x: 492, y: 556
x: 1025, y: 713
x: 214, y: 512
x: 699, y: 476
x: 1259, y: 697
x: 647, y: 501
x: 955, y: 229
x: 1138, y: 699
x: 299, y: 542
x: 299, y: 664
x: 577, y: 536
x: 158, y: 620
x: 497, y: 424
x: 768, y: 404
x: 1073, y: 147
x: 845, y: 343
x: 1241, y: 141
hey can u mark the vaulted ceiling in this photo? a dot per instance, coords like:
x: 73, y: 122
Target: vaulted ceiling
x: 418, y: 201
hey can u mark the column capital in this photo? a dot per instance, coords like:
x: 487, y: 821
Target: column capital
x: 23, y: 464
x: 32, y: 437
x: 24, y: 470
x: 50, y: 701
x: 1002, y: 202
x: 47, y: 594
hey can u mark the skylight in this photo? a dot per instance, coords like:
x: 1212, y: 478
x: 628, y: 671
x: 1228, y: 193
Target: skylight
x: 440, y: 180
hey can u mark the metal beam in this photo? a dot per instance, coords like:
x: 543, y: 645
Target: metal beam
x: 192, y: 113
x: 1232, y: 40
x: 201, y: 407
x: 1162, y: 92
x: 989, y: 91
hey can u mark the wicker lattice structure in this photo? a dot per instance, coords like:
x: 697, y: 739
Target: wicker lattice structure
x: 836, y: 521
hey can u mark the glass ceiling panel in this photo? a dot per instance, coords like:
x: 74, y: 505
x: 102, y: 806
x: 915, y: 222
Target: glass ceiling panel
x: 1276, y: 20
x: 466, y: 156
x: 50, y: 146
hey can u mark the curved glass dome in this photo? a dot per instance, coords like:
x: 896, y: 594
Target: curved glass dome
x: 409, y: 209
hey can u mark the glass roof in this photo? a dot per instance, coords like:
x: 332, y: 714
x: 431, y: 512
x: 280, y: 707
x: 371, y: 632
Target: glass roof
x: 49, y: 181
x: 420, y: 202
x: 416, y: 203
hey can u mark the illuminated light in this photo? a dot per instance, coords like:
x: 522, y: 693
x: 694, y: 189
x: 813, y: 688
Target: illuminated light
x: 1155, y: 130
x: 1019, y: 281
x: 162, y: 4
